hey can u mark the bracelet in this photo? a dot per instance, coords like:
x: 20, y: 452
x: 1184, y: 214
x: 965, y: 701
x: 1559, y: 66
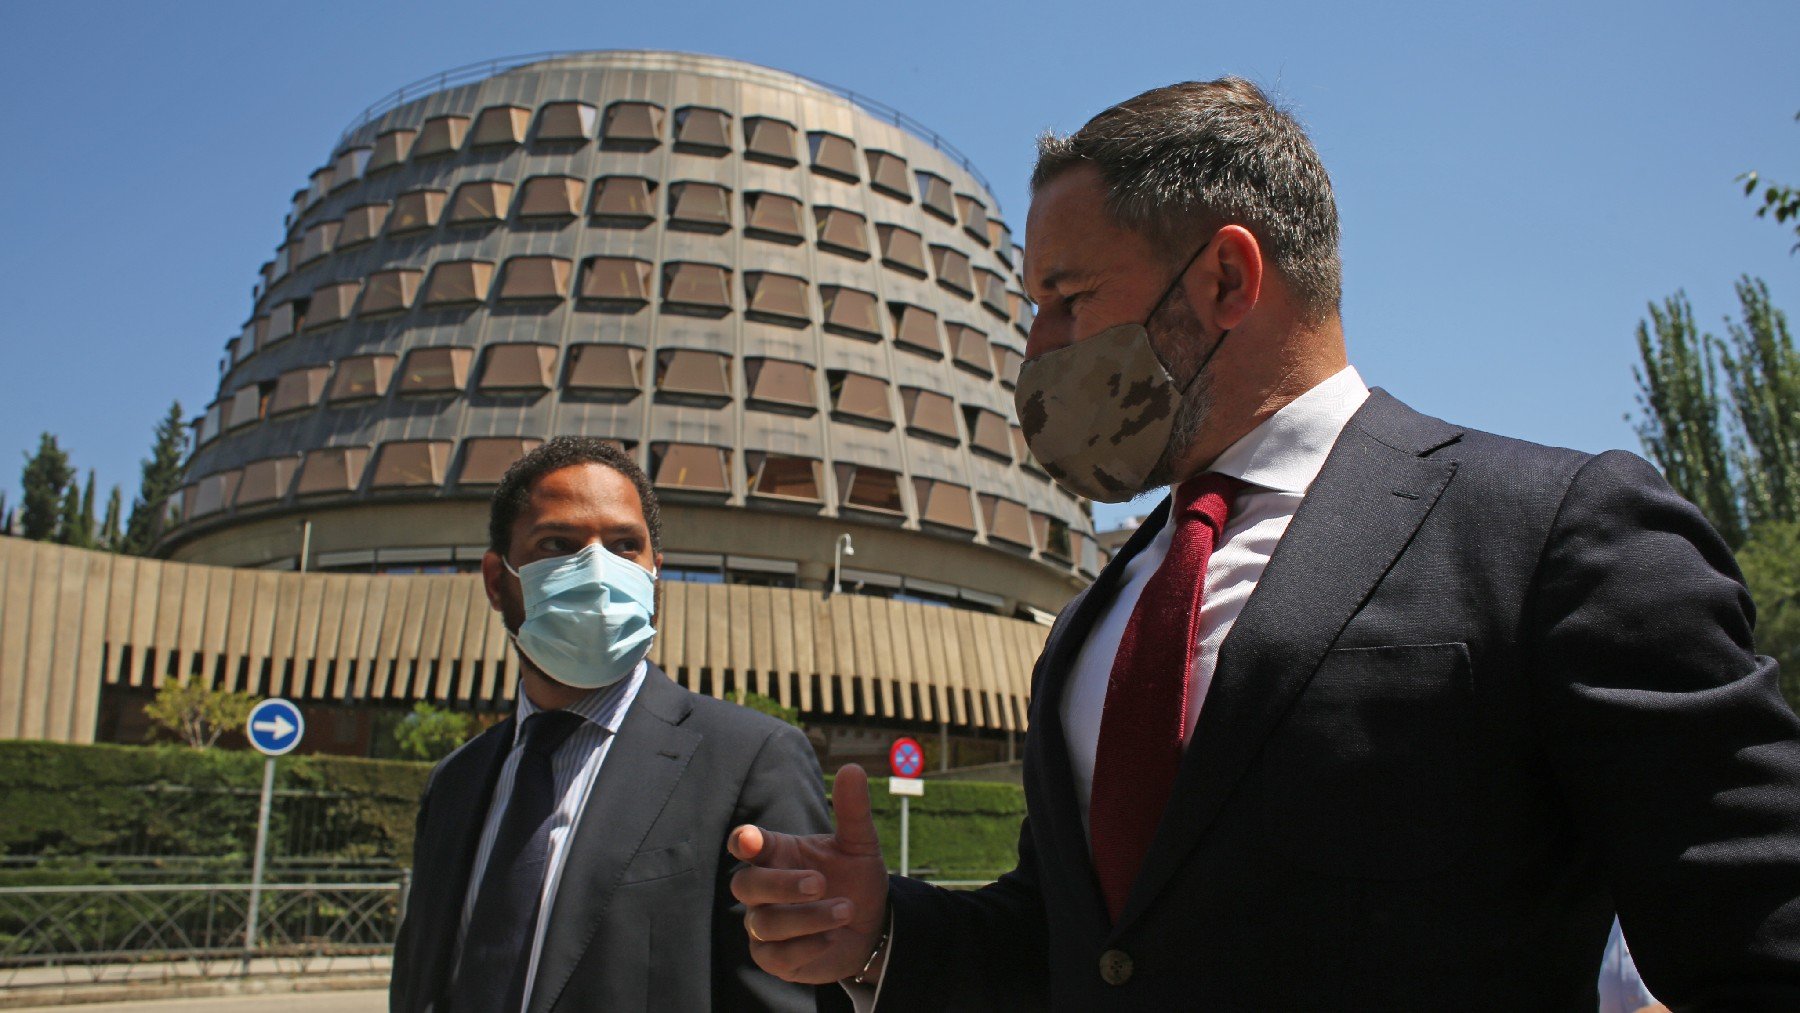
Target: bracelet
x: 880, y: 944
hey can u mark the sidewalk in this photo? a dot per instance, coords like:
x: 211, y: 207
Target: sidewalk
x: 24, y: 988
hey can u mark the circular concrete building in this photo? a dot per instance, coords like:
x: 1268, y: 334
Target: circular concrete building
x: 801, y: 311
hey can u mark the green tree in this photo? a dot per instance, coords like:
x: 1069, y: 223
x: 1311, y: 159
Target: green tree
x: 1762, y: 372
x: 431, y: 733
x: 161, y: 479
x: 47, y: 475
x: 109, y: 529
x: 1779, y: 201
x: 770, y: 706
x: 198, y: 714
x: 76, y: 526
x: 1771, y: 565
x: 1682, y: 428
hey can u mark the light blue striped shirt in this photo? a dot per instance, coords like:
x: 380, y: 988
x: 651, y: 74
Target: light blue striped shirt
x: 573, y: 766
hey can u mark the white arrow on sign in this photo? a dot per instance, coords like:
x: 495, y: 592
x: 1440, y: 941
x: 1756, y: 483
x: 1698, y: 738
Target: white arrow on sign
x: 279, y: 724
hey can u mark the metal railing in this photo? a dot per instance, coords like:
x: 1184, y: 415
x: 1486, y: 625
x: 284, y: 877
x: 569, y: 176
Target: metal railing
x: 485, y: 69
x: 64, y: 926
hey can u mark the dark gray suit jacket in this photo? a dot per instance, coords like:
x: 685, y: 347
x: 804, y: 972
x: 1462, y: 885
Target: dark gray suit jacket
x: 643, y: 918
x: 1484, y: 693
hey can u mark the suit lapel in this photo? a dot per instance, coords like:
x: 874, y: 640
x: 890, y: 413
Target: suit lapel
x: 458, y: 810
x: 1056, y: 819
x: 1375, y: 490
x: 643, y: 765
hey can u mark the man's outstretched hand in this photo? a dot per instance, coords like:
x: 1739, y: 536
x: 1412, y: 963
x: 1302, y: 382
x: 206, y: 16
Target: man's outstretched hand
x: 816, y: 905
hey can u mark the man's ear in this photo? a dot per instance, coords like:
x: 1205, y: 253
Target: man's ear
x: 1235, y: 281
x: 658, y: 558
x: 493, y: 571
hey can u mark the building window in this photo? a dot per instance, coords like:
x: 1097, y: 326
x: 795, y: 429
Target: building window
x: 362, y: 376
x: 1006, y: 364
x: 211, y: 424
x: 214, y: 492
x: 436, y: 370
x: 616, y: 280
x: 776, y: 298
x: 970, y: 349
x: 362, y: 224
x: 696, y: 289
x: 623, y: 200
x: 245, y: 407
x: 1052, y: 535
x: 944, y: 503
x: 699, y: 207
x: 993, y: 291
x: 330, y: 304
x: 1006, y: 520
x: 416, y: 210
x: 953, y: 270
x: 318, y: 241
x: 604, y: 369
x: 833, y: 156
x: 458, y: 281
x: 411, y: 464
x: 440, y: 135
x: 988, y: 433
x: 865, y: 487
x: 902, y: 249
x: 974, y: 217
x: 843, y: 232
x: 851, y: 312
x: 772, y: 216
x: 916, y: 329
x: 1022, y: 450
x: 691, y: 466
x: 887, y: 175
x: 500, y: 125
x: 632, y: 126
x: 935, y: 195
x: 779, y: 476
x: 857, y: 397
x: 1000, y: 238
x: 1021, y: 313
x: 298, y: 389
x: 486, y: 458
x: 551, y: 197
x: 285, y: 318
x: 702, y: 131
x: 391, y: 149
x: 389, y: 291
x: 769, y: 140
x: 780, y: 384
x: 930, y: 415
x: 480, y: 201
x: 348, y: 167
x: 331, y: 470
x: 267, y: 480
x: 691, y: 373
x: 566, y: 121
x: 518, y: 367
x: 320, y: 185
x: 535, y: 278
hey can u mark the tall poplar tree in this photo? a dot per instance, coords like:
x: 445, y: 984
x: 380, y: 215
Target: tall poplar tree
x: 1682, y: 428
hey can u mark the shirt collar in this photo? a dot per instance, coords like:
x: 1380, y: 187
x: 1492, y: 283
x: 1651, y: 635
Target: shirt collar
x: 604, y: 707
x: 1286, y: 452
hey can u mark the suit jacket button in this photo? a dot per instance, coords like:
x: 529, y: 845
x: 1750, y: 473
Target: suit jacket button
x: 1115, y: 967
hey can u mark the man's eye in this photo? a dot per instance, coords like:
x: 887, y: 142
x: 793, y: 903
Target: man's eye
x: 627, y: 547
x: 556, y: 546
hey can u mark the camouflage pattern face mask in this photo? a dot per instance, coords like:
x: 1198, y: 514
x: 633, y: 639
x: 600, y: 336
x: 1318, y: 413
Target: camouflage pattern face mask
x: 1097, y: 413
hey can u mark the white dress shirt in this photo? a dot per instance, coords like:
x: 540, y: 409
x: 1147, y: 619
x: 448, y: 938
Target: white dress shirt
x: 573, y: 767
x: 1278, y: 460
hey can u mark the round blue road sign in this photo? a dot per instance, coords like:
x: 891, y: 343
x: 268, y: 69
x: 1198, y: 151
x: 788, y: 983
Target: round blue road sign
x: 906, y: 758
x: 275, y: 727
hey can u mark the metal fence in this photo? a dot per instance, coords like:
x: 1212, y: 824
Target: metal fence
x: 97, y: 926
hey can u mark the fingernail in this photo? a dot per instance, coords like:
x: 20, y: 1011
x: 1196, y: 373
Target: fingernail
x: 810, y: 886
x: 841, y: 911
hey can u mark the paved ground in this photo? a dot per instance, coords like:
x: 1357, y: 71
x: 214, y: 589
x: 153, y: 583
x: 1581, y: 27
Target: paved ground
x: 286, y: 1002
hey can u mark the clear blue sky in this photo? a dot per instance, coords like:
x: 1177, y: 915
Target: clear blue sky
x: 1516, y: 180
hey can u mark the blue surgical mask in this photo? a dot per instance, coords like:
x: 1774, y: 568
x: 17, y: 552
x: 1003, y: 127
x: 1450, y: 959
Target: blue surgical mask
x: 587, y: 616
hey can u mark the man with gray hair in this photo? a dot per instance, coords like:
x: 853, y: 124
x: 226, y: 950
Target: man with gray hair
x: 1373, y: 712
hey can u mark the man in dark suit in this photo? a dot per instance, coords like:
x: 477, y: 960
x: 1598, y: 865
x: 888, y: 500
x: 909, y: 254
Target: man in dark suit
x: 1374, y: 712
x: 572, y: 857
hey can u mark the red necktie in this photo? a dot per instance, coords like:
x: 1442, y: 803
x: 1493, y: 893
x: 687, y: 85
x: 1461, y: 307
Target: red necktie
x: 1146, y: 697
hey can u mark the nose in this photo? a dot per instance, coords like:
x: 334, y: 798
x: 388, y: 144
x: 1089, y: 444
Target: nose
x: 1049, y: 331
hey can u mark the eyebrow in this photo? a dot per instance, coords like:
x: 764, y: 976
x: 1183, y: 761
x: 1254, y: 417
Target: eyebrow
x: 1062, y: 274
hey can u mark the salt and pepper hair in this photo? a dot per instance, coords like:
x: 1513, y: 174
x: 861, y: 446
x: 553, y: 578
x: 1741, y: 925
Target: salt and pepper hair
x: 1181, y: 161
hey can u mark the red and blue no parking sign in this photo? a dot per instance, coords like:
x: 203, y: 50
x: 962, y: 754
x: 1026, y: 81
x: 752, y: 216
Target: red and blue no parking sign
x: 906, y: 758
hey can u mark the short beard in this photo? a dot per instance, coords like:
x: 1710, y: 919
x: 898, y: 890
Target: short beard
x: 1171, y: 333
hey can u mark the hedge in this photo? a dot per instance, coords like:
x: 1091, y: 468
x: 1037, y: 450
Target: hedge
x: 62, y: 806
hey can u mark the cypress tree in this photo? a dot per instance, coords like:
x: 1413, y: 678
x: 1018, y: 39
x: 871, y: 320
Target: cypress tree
x: 109, y: 531
x: 47, y: 474
x: 161, y: 480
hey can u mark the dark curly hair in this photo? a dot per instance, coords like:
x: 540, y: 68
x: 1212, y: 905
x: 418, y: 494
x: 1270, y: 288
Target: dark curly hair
x: 562, y: 452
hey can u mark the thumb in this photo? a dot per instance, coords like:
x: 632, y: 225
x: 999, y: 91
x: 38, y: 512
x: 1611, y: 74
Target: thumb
x: 850, y: 805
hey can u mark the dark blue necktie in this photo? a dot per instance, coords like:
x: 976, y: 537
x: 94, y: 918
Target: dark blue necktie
x: 497, y: 949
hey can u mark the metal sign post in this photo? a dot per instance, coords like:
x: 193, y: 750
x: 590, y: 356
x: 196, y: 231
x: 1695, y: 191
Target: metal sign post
x: 274, y: 729
x: 906, y: 761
